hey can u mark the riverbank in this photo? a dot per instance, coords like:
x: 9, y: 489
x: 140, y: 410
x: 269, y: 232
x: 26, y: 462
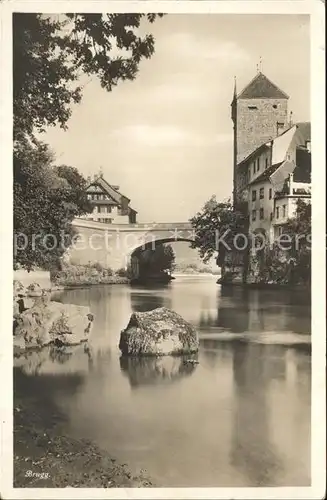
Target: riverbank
x: 71, y: 285
x: 76, y: 276
x: 46, y: 458
x: 265, y: 286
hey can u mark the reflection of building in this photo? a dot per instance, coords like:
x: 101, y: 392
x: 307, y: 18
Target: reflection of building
x: 272, y: 157
x: 252, y: 450
x: 109, y: 205
x: 230, y: 300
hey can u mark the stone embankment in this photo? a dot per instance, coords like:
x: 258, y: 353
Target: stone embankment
x: 38, y: 321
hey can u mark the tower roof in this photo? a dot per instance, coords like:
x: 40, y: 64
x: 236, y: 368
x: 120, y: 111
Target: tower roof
x: 262, y: 87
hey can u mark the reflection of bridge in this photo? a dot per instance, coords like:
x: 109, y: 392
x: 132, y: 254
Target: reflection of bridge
x: 112, y: 245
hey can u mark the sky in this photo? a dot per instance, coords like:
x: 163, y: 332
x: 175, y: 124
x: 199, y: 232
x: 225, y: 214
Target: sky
x: 166, y: 137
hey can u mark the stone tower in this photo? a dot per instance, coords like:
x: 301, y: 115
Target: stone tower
x: 259, y: 113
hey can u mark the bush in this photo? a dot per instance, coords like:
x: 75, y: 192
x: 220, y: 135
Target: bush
x: 107, y: 271
x: 122, y: 272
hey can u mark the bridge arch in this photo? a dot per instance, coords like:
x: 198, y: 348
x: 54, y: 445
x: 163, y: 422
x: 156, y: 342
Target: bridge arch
x: 132, y: 258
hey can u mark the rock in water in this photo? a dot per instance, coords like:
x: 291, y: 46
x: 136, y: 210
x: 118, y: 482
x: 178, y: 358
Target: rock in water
x: 158, y: 332
x: 52, y: 322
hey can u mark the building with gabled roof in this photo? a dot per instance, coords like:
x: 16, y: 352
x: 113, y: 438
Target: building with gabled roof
x: 109, y: 205
x: 259, y: 113
x: 272, y: 178
x: 260, y: 87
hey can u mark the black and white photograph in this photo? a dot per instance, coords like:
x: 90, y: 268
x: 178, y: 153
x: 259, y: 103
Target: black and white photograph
x: 163, y: 282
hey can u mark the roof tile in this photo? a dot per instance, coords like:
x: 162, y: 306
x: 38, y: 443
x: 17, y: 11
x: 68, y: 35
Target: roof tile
x: 262, y: 87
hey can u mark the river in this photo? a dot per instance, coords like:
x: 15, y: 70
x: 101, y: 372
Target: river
x: 241, y: 417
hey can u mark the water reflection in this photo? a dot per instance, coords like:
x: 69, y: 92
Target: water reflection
x: 241, y: 417
x: 263, y: 310
x: 154, y: 371
x: 251, y: 448
x: 54, y: 360
x: 147, y: 300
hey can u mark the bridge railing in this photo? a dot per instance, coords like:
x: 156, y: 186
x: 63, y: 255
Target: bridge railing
x: 140, y: 225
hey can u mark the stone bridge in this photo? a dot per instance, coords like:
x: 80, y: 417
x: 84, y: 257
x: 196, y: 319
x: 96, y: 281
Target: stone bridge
x: 113, y: 245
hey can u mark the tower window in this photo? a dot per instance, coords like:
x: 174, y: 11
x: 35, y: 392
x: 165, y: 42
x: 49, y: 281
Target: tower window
x: 277, y: 213
x: 262, y: 193
x: 258, y: 164
x: 261, y: 213
x: 254, y: 195
x: 254, y: 167
x: 284, y: 210
x: 254, y: 214
x: 252, y: 107
x: 270, y: 193
x: 266, y: 163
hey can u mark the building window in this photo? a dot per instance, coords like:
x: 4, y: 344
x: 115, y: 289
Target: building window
x: 253, y: 167
x: 254, y: 195
x: 277, y: 212
x: 262, y: 193
x: 271, y: 216
x: 275, y: 106
x: 284, y: 210
x: 261, y: 213
x: 258, y: 164
x: 254, y: 214
x: 270, y: 193
x: 266, y: 163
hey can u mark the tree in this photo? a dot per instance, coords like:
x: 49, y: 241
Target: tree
x: 217, y: 221
x: 46, y: 200
x: 298, y: 230
x: 51, y: 52
x: 156, y: 261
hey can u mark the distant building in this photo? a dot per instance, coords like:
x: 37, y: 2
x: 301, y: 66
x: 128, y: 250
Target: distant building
x: 109, y: 205
x: 272, y: 157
